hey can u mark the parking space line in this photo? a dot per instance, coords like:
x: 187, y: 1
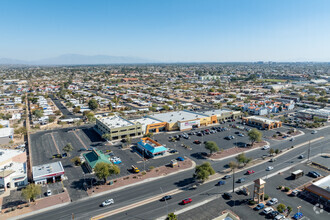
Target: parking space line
x: 83, y: 144
x: 57, y: 149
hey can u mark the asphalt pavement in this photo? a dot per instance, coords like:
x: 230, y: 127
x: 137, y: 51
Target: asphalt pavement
x: 63, y: 109
x: 89, y: 207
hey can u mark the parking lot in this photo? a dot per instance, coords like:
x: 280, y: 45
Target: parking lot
x: 16, y: 197
x: 238, y: 203
x: 48, y: 143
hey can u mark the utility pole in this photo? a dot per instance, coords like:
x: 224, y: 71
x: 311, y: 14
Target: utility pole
x: 165, y: 201
x: 309, y: 150
x: 233, y: 180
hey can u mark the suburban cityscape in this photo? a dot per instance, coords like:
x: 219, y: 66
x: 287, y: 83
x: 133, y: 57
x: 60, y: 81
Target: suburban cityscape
x: 103, y: 137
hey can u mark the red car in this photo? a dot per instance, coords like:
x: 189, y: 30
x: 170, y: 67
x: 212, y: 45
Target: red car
x: 250, y: 172
x: 186, y: 201
x: 197, y: 142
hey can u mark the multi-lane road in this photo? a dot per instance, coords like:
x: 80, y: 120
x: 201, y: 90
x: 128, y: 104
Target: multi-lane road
x: 142, y: 193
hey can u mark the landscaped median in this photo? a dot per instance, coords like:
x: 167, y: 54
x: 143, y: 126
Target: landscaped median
x: 144, y: 175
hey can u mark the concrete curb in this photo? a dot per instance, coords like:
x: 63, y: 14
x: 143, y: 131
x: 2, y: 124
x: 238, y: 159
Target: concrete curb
x: 39, y: 211
x: 237, y: 188
x: 138, y: 183
x: 233, y: 155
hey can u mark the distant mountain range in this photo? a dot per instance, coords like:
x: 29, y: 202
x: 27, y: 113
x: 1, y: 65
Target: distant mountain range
x: 77, y: 59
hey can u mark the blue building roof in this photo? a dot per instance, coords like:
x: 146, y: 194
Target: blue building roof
x: 152, y: 149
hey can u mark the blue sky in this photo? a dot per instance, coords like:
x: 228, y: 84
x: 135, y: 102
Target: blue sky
x: 167, y: 30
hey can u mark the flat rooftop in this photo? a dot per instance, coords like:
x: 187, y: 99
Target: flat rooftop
x: 6, y: 154
x: 216, y: 112
x: 47, y: 169
x: 115, y: 122
x: 265, y: 120
x: 172, y: 117
x: 323, y: 183
x: 145, y: 121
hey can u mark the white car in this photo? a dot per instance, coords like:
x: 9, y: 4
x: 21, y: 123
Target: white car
x: 49, y: 192
x: 108, y: 202
x: 268, y: 210
x: 279, y: 217
x: 269, y: 168
x: 273, y: 201
x: 314, y: 132
x: 266, y: 147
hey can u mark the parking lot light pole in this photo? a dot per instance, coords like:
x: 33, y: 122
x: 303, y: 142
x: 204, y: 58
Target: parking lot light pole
x: 298, y: 208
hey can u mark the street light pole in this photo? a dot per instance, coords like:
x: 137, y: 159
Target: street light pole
x: 233, y: 180
x: 165, y: 201
x: 309, y: 150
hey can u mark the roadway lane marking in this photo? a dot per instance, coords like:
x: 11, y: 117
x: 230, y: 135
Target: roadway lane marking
x: 57, y: 149
x: 135, y: 205
x: 83, y: 144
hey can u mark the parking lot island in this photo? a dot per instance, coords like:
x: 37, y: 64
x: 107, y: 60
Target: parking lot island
x: 155, y: 173
x: 235, y: 150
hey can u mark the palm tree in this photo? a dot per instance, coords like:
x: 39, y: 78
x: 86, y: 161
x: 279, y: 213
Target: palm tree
x: 116, y: 100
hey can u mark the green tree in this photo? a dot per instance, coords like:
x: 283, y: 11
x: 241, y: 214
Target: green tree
x: 203, y: 171
x: 76, y: 161
x: 92, y: 104
x: 254, y: 136
x: 241, y: 158
x: 211, y: 146
x: 271, y: 151
x: 31, y: 192
x: 107, y: 136
x: 116, y: 100
x: 171, y: 216
x: 38, y: 113
x: 68, y: 148
x: 289, y: 208
x: 281, y: 207
x: 277, y: 151
x: 104, y: 170
x: 76, y: 109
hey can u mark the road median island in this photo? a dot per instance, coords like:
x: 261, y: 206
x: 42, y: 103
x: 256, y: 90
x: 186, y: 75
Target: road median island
x: 133, y: 179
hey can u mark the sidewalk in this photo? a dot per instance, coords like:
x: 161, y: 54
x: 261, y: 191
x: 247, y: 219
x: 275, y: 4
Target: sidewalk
x: 39, y: 205
x: 134, y: 179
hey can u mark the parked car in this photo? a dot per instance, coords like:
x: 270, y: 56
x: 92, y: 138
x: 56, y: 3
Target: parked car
x: 279, y: 217
x: 49, y: 192
x: 259, y: 206
x: 273, y: 214
x: 314, y: 132
x: 301, y: 156
x: 294, y: 192
x: 186, y: 201
x: 269, y: 168
x: 166, y: 198
x: 241, y: 135
x: 298, y: 215
x: 180, y: 159
x: 312, y: 174
x: 227, y: 196
x: 267, y: 210
x: 173, y: 151
x: 197, y: 142
x: 107, y: 202
x: 273, y: 201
